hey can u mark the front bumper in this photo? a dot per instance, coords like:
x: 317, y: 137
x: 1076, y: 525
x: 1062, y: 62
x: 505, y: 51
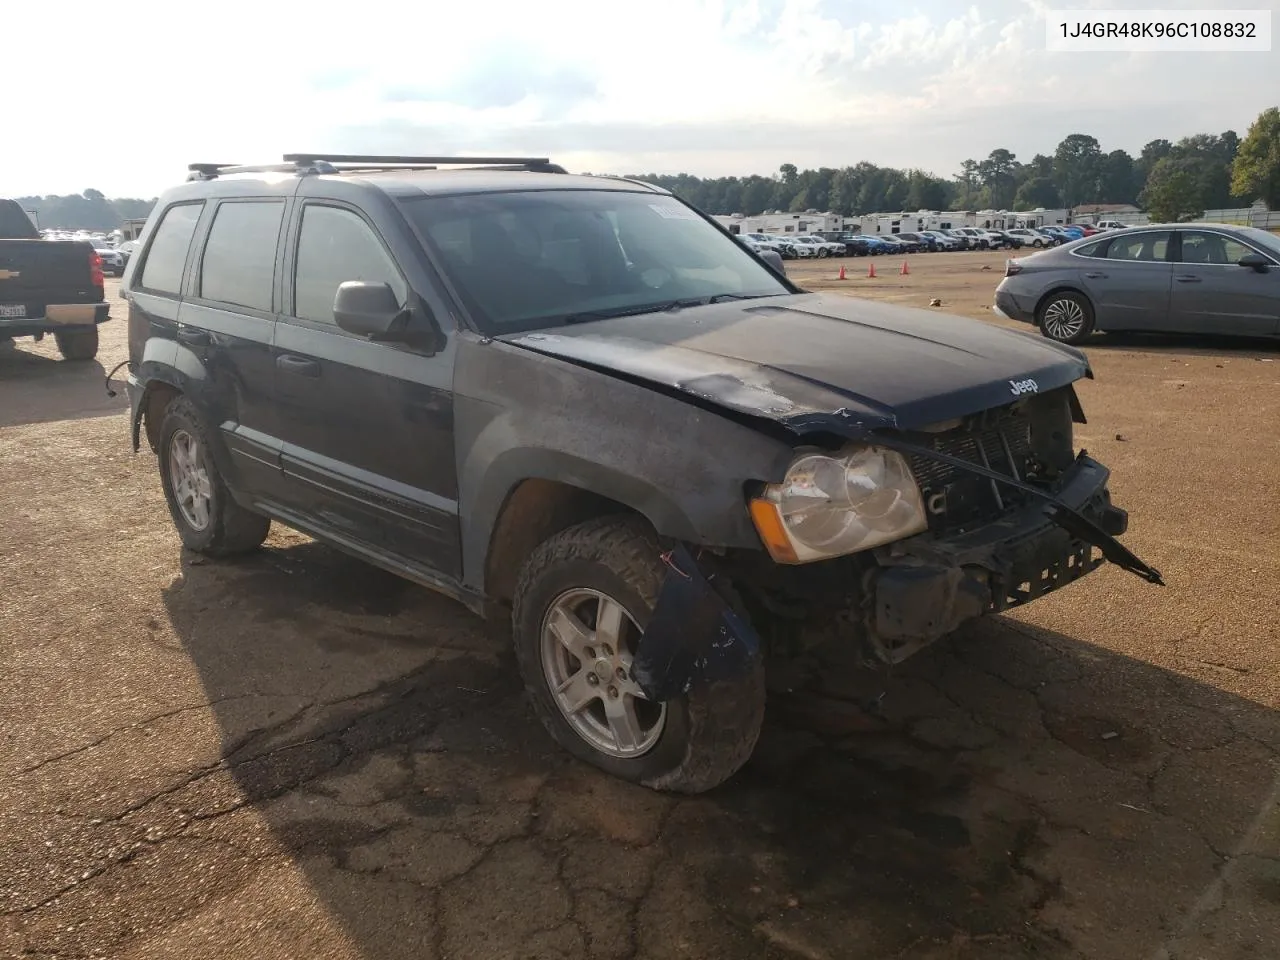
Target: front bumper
x: 924, y: 587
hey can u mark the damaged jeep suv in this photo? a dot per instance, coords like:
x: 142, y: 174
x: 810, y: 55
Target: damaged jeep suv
x: 578, y: 403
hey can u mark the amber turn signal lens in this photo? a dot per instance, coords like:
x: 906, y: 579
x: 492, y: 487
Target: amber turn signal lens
x: 764, y: 514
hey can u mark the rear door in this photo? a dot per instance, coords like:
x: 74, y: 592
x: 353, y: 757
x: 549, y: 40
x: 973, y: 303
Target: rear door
x: 224, y: 332
x: 1212, y: 293
x: 1128, y: 278
x: 367, y: 426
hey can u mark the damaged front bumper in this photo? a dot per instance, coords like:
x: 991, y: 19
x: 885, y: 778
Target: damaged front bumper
x: 924, y: 587
x: 902, y: 596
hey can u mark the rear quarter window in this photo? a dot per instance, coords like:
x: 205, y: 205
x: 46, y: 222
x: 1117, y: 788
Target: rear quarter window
x: 1098, y: 248
x: 167, y: 254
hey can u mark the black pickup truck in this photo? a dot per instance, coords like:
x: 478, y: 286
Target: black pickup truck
x: 49, y: 286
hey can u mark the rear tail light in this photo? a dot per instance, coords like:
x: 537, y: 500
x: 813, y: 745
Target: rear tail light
x: 95, y: 269
x: 1011, y: 267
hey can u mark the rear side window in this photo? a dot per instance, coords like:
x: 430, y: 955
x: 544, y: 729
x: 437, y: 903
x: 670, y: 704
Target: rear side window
x: 334, y: 246
x: 1148, y: 247
x: 239, y: 262
x: 167, y: 254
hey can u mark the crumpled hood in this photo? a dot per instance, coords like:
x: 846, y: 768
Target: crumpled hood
x: 793, y: 357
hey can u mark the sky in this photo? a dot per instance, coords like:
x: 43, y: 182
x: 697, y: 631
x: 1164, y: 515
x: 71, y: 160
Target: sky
x: 122, y: 103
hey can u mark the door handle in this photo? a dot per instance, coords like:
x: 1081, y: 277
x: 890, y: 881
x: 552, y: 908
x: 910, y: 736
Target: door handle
x: 1096, y: 276
x: 301, y: 366
x: 1187, y: 278
x: 194, y: 338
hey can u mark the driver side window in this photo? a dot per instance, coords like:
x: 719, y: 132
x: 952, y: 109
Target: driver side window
x: 334, y: 246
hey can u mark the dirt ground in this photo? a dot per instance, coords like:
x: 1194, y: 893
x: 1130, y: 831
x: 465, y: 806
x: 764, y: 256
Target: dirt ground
x: 299, y: 756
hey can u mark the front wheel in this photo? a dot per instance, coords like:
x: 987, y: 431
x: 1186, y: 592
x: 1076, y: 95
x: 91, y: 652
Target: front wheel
x: 77, y: 344
x: 581, y: 605
x: 1066, y: 317
x: 209, y: 521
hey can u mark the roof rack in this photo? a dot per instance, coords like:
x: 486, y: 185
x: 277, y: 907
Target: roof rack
x: 316, y: 163
x: 211, y: 171
x: 364, y: 163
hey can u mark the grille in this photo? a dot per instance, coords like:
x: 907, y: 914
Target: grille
x: 954, y: 498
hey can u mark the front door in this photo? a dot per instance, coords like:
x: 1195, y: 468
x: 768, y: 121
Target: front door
x: 367, y: 427
x: 1212, y: 293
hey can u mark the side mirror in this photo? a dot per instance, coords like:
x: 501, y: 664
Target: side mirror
x: 1254, y: 261
x: 368, y: 309
x: 774, y: 259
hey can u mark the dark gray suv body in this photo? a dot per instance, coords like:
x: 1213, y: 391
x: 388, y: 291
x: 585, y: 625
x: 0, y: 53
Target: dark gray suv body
x: 578, y: 403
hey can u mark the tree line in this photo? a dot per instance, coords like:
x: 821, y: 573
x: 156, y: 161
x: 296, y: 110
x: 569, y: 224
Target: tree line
x: 1172, y: 181
x: 90, y: 210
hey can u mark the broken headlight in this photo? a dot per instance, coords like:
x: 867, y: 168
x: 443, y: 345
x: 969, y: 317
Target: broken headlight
x: 829, y: 506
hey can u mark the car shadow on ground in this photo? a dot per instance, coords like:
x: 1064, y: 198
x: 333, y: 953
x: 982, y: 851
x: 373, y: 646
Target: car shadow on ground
x: 1010, y: 792
x: 35, y: 388
x: 1204, y: 344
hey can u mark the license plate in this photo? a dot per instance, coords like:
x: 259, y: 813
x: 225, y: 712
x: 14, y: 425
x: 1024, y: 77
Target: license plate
x: 15, y: 310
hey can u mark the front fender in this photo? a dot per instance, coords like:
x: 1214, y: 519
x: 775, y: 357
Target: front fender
x: 523, y: 415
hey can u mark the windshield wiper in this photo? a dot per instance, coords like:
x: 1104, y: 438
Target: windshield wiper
x: 664, y: 306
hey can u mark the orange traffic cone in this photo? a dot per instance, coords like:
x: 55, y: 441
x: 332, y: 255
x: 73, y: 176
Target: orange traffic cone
x: 871, y: 270
x: 842, y: 276
x: 905, y: 271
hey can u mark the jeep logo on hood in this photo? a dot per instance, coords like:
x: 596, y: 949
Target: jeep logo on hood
x: 1019, y: 387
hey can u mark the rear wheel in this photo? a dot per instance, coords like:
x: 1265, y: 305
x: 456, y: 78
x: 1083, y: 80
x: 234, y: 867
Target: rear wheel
x: 209, y: 521
x: 78, y: 344
x: 581, y: 605
x: 1065, y: 316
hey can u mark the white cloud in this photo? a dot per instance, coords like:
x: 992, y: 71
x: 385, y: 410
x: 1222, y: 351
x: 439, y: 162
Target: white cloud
x: 708, y: 86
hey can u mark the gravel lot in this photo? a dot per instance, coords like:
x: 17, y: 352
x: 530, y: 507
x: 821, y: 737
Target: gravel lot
x: 299, y: 756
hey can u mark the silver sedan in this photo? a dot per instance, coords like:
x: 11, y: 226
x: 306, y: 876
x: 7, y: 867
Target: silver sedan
x: 1165, y: 278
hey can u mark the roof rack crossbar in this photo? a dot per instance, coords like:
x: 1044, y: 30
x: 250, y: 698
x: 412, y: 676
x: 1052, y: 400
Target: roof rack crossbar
x: 385, y: 161
x: 210, y: 171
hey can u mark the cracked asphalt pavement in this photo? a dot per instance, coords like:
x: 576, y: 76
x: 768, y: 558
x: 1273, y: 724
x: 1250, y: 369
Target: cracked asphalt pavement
x: 296, y: 755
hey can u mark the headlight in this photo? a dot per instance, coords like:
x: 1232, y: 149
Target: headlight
x: 829, y: 506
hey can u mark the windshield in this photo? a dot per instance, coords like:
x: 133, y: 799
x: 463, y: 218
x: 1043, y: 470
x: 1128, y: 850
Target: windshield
x: 534, y: 259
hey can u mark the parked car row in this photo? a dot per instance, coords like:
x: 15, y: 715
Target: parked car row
x: 806, y: 246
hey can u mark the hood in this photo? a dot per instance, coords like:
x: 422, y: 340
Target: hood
x: 797, y: 357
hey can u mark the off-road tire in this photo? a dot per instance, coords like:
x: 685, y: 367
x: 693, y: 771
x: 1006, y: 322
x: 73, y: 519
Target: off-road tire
x: 1066, y: 295
x: 232, y: 529
x: 78, y: 344
x: 710, y: 732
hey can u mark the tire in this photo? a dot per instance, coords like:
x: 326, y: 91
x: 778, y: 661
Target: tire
x: 228, y: 528
x: 1037, y: 243
x: 1065, y: 316
x: 702, y: 738
x: 77, y: 344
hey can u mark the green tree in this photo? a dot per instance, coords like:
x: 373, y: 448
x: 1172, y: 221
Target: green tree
x: 757, y: 194
x: 967, y: 179
x: 1075, y: 168
x: 925, y: 192
x: 1172, y: 194
x: 1115, y: 178
x: 1037, y: 192
x: 1255, y: 174
x: 997, y: 174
